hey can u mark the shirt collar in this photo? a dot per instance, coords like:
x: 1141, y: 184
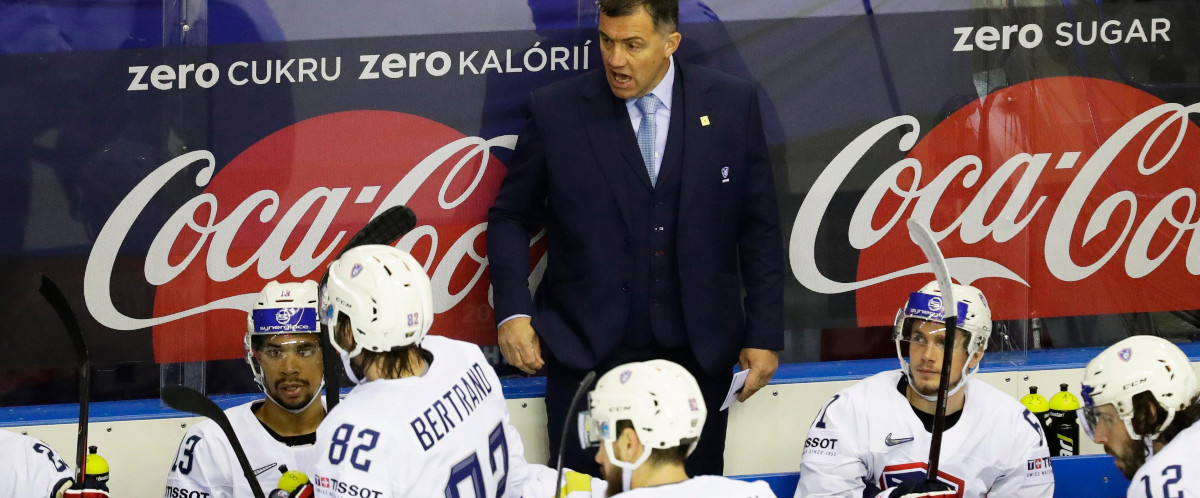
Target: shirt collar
x: 665, y: 88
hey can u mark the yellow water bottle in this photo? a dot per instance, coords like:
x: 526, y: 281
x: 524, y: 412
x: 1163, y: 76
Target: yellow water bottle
x: 1040, y: 408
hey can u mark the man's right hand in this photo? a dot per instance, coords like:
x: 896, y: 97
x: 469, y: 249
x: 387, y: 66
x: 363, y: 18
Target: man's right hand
x: 520, y: 345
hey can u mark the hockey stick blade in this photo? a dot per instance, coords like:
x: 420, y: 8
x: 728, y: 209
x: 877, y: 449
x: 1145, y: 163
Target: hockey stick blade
x: 562, y: 440
x: 62, y: 308
x: 922, y: 236
x: 186, y: 399
x: 385, y: 228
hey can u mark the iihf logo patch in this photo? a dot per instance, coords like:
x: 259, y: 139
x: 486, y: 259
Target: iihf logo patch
x: 625, y: 376
x: 1124, y: 354
x: 692, y: 402
x: 724, y: 174
x: 356, y: 270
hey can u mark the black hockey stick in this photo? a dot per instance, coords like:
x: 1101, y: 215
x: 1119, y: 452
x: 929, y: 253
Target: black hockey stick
x: 186, y: 399
x: 562, y: 441
x: 59, y: 302
x: 388, y: 226
x: 923, y: 237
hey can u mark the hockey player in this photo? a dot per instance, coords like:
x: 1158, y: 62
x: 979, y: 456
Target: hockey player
x: 1139, y: 401
x: 872, y: 439
x: 283, y: 352
x: 646, y: 419
x: 31, y: 468
x: 428, y: 417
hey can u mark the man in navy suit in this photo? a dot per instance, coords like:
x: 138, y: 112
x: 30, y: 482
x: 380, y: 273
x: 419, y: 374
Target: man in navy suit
x: 652, y: 181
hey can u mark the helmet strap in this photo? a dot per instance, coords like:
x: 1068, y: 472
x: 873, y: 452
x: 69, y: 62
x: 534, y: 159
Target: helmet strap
x: 316, y: 394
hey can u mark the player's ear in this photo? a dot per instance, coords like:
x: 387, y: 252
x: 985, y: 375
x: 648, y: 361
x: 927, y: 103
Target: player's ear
x: 628, y: 446
x: 673, y: 42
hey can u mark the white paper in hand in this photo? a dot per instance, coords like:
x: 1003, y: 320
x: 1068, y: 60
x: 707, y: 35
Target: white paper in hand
x: 735, y: 387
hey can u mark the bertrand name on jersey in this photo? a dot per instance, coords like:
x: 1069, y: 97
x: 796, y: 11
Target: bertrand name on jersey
x: 436, y: 421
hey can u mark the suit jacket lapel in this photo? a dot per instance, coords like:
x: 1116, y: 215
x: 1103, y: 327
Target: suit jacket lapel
x: 604, y: 119
x: 696, y: 140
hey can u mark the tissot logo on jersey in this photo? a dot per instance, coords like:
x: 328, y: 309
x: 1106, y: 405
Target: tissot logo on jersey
x: 335, y: 487
x: 174, y: 492
x: 436, y: 421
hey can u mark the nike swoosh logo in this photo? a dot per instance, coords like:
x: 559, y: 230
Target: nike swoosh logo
x: 265, y: 468
x: 892, y: 442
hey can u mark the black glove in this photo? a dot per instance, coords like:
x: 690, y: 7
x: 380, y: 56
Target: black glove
x: 922, y: 489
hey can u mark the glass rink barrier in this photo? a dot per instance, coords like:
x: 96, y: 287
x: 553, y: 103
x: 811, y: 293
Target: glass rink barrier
x: 165, y: 160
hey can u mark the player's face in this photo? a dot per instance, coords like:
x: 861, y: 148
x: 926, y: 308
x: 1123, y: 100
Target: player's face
x: 291, y: 366
x: 636, y: 55
x: 925, y: 351
x: 1128, y: 453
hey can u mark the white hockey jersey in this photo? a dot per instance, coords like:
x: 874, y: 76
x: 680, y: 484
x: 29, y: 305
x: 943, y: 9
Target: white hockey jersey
x: 867, y: 434
x: 704, y: 487
x: 1174, y: 471
x: 29, y: 468
x: 445, y: 433
x: 206, y: 467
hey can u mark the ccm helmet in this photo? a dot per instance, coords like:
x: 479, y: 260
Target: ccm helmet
x: 660, y: 398
x: 385, y: 293
x: 1134, y: 365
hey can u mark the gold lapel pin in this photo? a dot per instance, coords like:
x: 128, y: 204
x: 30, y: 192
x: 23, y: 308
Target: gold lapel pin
x: 704, y: 121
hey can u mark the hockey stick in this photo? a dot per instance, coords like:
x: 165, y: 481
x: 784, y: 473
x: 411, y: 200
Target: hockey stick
x: 186, y: 399
x: 59, y: 302
x: 923, y: 237
x: 562, y: 441
x: 382, y: 229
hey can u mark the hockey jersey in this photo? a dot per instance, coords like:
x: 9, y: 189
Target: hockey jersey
x: 868, y: 436
x: 29, y: 468
x: 704, y: 487
x: 1173, y: 470
x: 205, y: 465
x: 443, y: 433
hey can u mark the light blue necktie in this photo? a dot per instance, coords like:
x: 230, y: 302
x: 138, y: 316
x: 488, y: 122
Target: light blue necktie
x: 646, y: 131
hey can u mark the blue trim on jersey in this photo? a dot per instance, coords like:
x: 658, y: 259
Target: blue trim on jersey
x: 535, y: 387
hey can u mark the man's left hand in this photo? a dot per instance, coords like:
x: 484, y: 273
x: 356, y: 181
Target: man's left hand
x: 762, y: 364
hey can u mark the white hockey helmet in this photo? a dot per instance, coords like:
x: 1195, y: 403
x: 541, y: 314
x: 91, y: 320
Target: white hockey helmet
x: 281, y: 308
x: 1135, y: 365
x: 974, y: 317
x: 385, y: 293
x: 660, y: 398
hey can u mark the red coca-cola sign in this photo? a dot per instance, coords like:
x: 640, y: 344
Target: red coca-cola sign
x: 1056, y: 197
x: 283, y: 208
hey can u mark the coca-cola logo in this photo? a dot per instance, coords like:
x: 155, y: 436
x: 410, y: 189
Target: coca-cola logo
x: 1056, y: 197
x: 281, y: 210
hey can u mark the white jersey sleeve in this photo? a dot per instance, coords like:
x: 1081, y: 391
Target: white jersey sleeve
x: 29, y: 467
x: 831, y: 463
x: 1030, y: 475
x: 1173, y: 471
x: 201, y: 468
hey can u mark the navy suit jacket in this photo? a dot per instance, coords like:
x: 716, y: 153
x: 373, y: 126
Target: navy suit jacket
x: 566, y: 175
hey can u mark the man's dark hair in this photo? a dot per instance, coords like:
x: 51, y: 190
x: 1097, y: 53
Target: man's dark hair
x: 664, y: 13
x: 392, y: 364
x: 1183, y: 418
x: 664, y: 456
